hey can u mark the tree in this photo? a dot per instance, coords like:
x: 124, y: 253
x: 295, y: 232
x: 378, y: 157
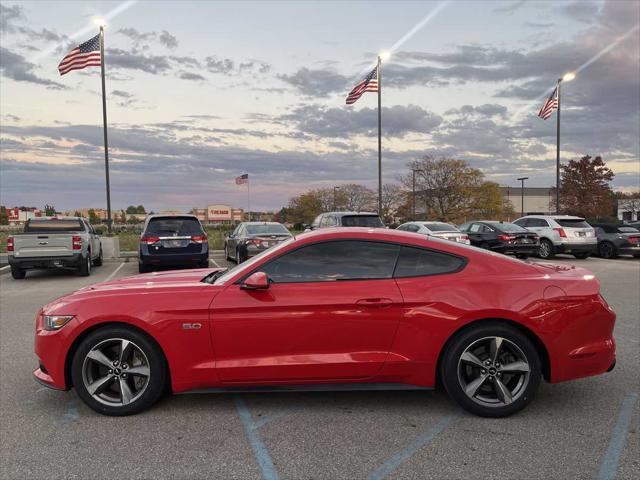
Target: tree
x: 356, y: 198
x: 132, y: 209
x: 585, y: 189
x: 4, y: 215
x: 487, y: 202
x: 77, y: 213
x: 140, y: 209
x: 93, y: 216
x: 49, y: 210
x: 393, y: 196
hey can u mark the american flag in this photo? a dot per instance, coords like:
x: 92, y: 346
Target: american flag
x: 369, y: 84
x: 549, y: 106
x: 242, y: 179
x: 86, y: 54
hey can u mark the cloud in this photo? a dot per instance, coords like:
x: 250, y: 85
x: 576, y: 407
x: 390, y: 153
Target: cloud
x: 15, y: 67
x: 509, y: 7
x: 8, y: 17
x: 581, y: 11
x: 186, y: 61
x: 191, y: 76
x: 486, y: 110
x: 121, y: 59
x: 316, y: 83
x: 224, y: 66
x: 540, y: 25
x: 136, y: 36
x: 167, y: 39
x: 324, y: 122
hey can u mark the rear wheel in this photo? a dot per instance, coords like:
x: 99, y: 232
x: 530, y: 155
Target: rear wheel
x: 607, y: 250
x: 85, y: 266
x: 18, y: 273
x: 239, y: 258
x: 118, y: 371
x: 581, y: 255
x: 98, y: 261
x: 546, y: 249
x: 492, y: 370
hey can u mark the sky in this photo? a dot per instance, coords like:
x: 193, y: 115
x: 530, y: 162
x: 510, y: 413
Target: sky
x: 199, y: 92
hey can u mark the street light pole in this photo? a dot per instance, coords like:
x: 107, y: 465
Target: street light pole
x: 567, y: 77
x: 379, y: 136
x: 334, y: 197
x: 522, y: 179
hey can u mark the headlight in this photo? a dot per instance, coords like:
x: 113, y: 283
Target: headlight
x: 55, y: 322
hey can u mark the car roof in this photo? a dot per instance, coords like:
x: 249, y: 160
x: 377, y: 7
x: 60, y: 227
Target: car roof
x: 171, y: 215
x: 261, y: 223
x: 342, y: 214
x: 554, y: 217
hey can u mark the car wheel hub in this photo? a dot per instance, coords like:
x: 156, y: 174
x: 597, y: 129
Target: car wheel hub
x: 116, y: 372
x: 493, y: 372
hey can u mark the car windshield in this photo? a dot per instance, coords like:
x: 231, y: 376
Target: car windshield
x: 508, y: 227
x: 440, y: 227
x: 248, y: 265
x: 572, y: 223
x: 266, y: 229
x: 372, y: 221
x: 52, y: 226
x: 173, y: 227
x: 628, y: 230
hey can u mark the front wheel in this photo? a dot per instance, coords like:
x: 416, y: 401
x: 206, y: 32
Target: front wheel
x: 118, y: 371
x: 492, y: 370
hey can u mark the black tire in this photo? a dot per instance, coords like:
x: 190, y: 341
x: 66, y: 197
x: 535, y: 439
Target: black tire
x: 18, y: 273
x: 98, y: 261
x: 239, y: 258
x: 453, y: 381
x: 581, y: 255
x: 546, y: 250
x: 204, y: 263
x: 522, y: 256
x: 226, y: 251
x: 85, y: 266
x: 607, y: 250
x: 142, y: 268
x: 155, y: 383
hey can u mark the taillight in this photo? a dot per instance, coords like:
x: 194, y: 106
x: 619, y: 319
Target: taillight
x: 561, y: 232
x: 506, y: 238
x: 634, y: 240
x: 10, y: 244
x: 256, y: 241
x: 199, y: 238
x: 77, y: 242
x: 149, y: 240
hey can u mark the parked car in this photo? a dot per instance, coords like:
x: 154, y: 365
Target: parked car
x: 172, y: 240
x: 614, y: 240
x: 251, y: 238
x: 346, y: 219
x: 502, y: 237
x: 54, y: 242
x: 561, y: 234
x: 635, y: 225
x: 442, y: 230
x: 397, y: 310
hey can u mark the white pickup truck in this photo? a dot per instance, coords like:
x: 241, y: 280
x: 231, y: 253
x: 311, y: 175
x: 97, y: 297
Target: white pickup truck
x: 54, y: 242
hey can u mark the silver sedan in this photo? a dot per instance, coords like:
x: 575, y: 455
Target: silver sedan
x: 442, y: 230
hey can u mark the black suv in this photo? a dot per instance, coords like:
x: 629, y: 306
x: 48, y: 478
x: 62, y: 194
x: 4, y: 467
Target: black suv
x: 172, y: 240
x: 346, y: 219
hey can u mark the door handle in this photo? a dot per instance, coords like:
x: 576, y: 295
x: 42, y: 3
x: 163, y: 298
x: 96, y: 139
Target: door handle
x: 375, y: 302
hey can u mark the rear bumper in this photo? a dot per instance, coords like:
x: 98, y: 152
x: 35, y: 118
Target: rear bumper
x: 575, y: 247
x: 72, y: 261
x: 174, y: 259
x: 524, y: 249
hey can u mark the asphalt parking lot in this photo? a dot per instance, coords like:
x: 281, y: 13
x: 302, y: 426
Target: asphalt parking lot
x: 581, y: 429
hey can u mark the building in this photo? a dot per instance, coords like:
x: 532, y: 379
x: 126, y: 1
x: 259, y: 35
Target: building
x: 201, y: 213
x: 537, y: 200
x: 219, y: 214
x: 629, y: 209
x: 19, y: 217
x: 101, y: 213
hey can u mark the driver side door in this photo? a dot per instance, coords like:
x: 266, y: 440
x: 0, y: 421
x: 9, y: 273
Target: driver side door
x: 330, y: 313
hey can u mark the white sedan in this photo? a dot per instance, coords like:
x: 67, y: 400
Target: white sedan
x: 442, y: 230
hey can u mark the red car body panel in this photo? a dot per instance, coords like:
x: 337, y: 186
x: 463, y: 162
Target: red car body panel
x: 390, y: 330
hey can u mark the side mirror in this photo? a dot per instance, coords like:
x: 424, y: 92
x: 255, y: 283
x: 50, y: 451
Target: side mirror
x: 256, y: 281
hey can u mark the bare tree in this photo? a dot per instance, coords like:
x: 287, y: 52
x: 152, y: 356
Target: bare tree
x: 356, y: 198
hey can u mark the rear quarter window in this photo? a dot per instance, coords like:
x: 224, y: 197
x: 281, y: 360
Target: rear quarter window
x: 418, y: 262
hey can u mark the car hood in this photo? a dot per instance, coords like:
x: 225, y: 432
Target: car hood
x: 173, y: 278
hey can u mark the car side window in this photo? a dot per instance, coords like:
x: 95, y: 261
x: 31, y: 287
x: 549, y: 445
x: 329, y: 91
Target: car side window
x: 486, y: 229
x: 332, y: 221
x: 402, y: 227
x: 538, y: 222
x: 414, y: 228
x: 333, y: 261
x: 324, y: 222
x: 475, y: 228
x: 524, y: 222
x: 236, y: 230
x: 417, y: 262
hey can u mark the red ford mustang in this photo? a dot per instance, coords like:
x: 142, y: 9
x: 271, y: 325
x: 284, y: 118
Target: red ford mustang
x: 335, y: 309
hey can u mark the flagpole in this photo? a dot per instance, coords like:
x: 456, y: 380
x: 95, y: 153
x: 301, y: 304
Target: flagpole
x: 248, y: 199
x: 558, y: 150
x: 379, y: 136
x: 104, y: 122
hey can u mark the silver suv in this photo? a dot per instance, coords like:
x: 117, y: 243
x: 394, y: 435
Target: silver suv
x: 561, y: 234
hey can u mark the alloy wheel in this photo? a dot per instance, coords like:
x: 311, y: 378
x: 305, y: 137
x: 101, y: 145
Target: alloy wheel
x: 116, y: 372
x: 545, y: 249
x: 493, y: 371
x: 606, y: 250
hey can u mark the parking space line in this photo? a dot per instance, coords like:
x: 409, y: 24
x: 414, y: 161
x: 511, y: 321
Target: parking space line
x: 257, y: 445
x: 113, y: 274
x: 609, y: 465
x: 214, y: 262
x: 399, y: 458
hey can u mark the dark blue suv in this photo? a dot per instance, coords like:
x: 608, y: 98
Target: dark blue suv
x: 172, y: 240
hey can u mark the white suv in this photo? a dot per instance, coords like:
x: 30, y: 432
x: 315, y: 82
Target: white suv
x: 561, y: 234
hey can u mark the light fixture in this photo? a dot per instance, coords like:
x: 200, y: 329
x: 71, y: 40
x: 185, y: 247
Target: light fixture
x: 101, y: 22
x: 567, y: 77
x: 385, y: 55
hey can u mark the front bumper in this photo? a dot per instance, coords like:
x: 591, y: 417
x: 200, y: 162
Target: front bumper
x: 71, y: 261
